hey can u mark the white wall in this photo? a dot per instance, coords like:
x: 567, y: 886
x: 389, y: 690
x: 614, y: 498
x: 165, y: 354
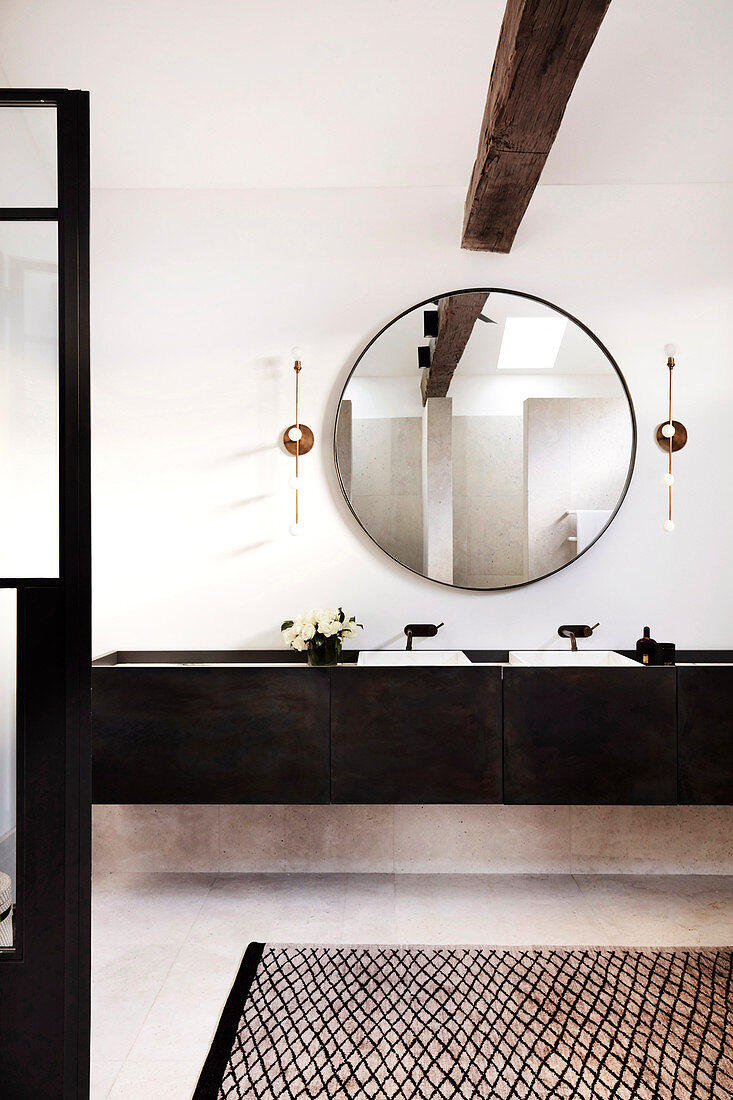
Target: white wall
x: 196, y: 299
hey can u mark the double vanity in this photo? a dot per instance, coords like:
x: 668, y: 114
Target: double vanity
x: 485, y: 439
x: 520, y: 727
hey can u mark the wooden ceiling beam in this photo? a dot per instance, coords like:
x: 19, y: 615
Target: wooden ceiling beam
x: 457, y: 314
x: 541, y: 50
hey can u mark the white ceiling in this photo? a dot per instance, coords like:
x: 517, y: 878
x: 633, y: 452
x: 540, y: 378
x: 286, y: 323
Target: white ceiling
x: 366, y: 93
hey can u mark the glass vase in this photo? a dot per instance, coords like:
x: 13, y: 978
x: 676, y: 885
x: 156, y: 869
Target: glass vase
x: 322, y: 654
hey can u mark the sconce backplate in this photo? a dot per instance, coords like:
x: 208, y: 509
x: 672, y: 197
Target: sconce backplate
x: 678, y: 439
x: 306, y: 441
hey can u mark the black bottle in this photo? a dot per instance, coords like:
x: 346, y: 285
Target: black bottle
x: 646, y: 649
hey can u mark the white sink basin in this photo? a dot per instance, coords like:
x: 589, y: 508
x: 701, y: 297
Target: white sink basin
x: 565, y: 658
x: 397, y: 658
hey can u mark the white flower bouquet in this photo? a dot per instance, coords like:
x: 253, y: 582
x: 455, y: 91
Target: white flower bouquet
x: 321, y: 633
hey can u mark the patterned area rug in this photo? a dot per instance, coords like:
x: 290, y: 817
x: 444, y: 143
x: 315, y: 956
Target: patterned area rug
x: 520, y: 1023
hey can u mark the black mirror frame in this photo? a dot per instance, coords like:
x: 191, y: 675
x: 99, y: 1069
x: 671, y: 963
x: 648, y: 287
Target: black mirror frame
x: 517, y: 294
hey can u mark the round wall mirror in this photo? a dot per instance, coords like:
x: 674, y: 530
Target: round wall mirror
x: 485, y: 439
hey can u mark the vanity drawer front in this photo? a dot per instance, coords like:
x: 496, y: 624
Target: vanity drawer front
x: 590, y: 736
x: 705, y: 724
x: 210, y: 735
x: 416, y: 735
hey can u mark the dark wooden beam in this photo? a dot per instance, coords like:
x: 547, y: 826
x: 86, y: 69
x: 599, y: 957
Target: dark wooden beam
x: 541, y: 50
x: 457, y: 314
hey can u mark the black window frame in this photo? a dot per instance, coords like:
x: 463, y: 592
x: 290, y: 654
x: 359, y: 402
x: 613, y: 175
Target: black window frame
x: 45, y: 976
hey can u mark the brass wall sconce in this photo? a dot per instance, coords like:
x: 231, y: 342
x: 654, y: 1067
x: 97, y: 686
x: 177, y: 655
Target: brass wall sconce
x: 671, y: 436
x: 298, y: 440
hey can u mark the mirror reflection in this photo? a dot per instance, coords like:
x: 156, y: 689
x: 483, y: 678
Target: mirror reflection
x: 484, y: 439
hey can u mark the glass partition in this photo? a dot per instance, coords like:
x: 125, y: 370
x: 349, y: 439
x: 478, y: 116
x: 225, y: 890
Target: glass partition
x: 29, y: 399
x: 28, y: 161
x: 8, y: 770
x: 29, y: 426
x: 45, y: 761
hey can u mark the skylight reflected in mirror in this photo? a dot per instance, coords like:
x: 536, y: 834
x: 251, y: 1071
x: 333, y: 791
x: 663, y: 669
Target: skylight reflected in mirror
x: 531, y: 343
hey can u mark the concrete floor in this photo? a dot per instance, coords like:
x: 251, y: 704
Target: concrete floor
x: 166, y: 947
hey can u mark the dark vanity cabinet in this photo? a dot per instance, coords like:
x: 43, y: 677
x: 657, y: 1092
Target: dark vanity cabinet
x: 210, y: 735
x: 212, y: 728
x: 401, y: 735
x: 705, y: 732
x: 590, y: 736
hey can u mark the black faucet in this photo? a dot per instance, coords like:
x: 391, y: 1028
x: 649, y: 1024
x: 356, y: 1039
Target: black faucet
x: 575, y: 632
x: 421, y: 630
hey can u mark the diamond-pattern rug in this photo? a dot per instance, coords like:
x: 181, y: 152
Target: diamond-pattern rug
x: 455, y: 1022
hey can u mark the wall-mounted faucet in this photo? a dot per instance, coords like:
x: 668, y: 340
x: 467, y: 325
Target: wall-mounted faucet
x: 421, y: 630
x: 575, y: 632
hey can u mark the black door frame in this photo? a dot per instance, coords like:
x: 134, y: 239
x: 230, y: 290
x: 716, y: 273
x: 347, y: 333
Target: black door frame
x: 45, y: 978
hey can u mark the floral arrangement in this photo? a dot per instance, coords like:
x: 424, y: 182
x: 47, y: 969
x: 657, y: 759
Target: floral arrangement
x: 321, y: 633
